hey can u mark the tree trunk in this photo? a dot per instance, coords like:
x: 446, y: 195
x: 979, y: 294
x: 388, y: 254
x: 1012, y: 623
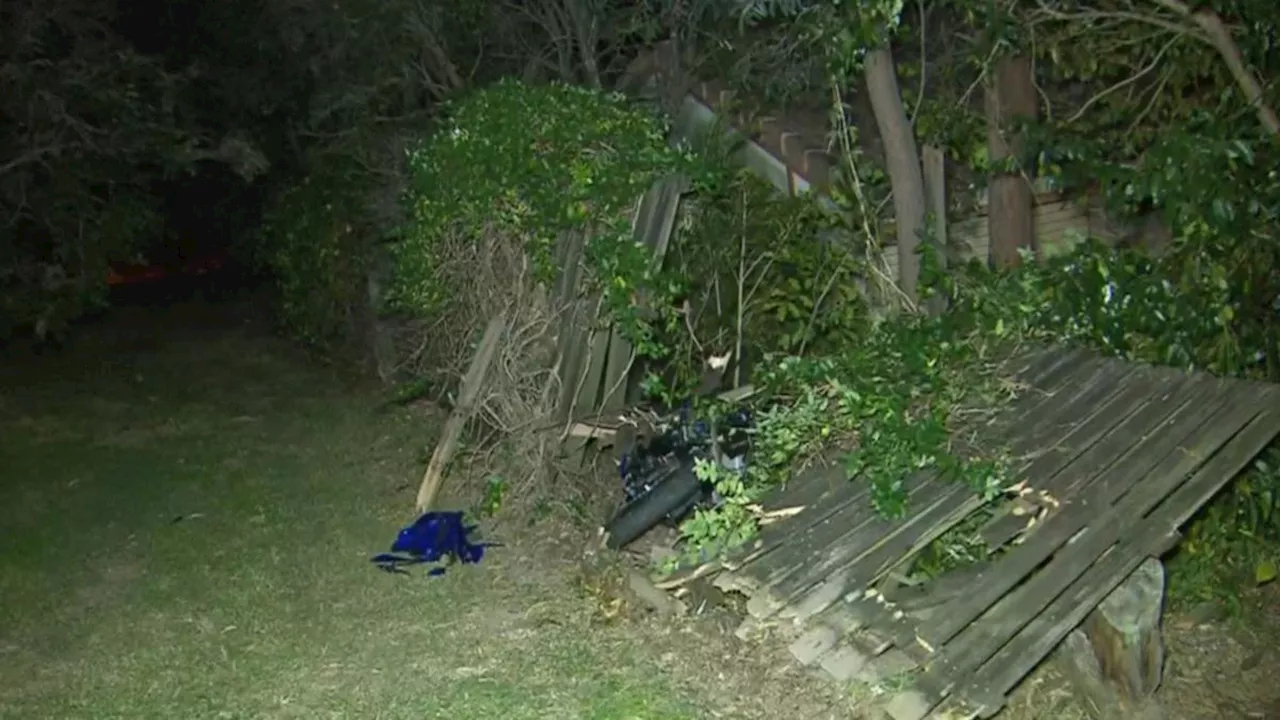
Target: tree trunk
x: 902, y: 160
x: 1011, y: 94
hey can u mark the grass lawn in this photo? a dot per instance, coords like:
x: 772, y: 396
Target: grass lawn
x: 187, y: 511
x: 186, y: 517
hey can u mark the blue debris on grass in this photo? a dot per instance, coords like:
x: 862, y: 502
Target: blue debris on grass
x: 435, y: 537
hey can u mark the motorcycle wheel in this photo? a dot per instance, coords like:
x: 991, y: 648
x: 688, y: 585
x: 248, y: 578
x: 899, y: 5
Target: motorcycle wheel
x: 675, y: 487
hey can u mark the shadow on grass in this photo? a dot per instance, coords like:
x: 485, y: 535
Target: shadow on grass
x: 187, y: 518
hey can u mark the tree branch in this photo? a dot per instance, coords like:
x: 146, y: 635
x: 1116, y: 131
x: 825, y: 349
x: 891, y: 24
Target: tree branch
x: 1155, y: 62
x: 1210, y: 23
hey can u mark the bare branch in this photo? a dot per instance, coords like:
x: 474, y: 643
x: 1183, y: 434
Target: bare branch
x: 1155, y: 62
x: 29, y: 157
x: 1180, y: 19
x: 1216, y: 32
x: 1085, y: 16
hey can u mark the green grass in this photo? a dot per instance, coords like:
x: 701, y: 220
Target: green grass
x: 260, y: 602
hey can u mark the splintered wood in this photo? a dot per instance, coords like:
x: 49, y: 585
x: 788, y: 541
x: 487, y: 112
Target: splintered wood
x: 1113, y: 458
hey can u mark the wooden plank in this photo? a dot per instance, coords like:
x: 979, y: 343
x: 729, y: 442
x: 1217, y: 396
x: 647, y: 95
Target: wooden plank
x: 839, y: 542
x: 1185, y: 393
x: 840, y: 619
x: 1113, y: 395
x: 1142, y: 396
x: 834, y: 494
x: 1055, y: 223
x: 1073, y: 404
x: 981, y: 640
x: 573, y: 331
x: 854, y: 522
x: 591, y: 386
x: 853, y: 563
x: 1060, y: 527
x: 1093, y: 446
x: 1028, y: 367
x: 1024, y: 360
x: 1060, y: 225
x: 1025, y: 371
x: 1054, y: 463
x: 614, y: 372
x: 952, y: 584
x: 585, y: 389
x: 654, y: 224
x: 1059, y: 210
x: 1047, y: 376
x: 920, y: 613
x: 864, y: 654
x: 808, y: 487
x: 1019, y: 657
x: 819, y: 494
x: 1068, y: 374
x: 569, y: 247
x: 575, y: 337
x: 872, y: 610
x: 848, y: 566
x: 673, y: 189
x: 1178, y: 508
x: 462, y: 412
x: 934, y: 163
x: 1068, y: 388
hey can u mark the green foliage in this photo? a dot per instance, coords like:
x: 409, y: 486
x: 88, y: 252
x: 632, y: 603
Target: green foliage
x: 1215, y: 184
x: 88, y: 125
x: 495, y: 489
x: 842, y: 30
x: 750, y: 265
x: 885, y: 399
x: 535, y: 162
x: 1221, y: 193
x: 1166, y: 73
x: 316, y: 239
x: 892, y: 401
x: 1234, y: 543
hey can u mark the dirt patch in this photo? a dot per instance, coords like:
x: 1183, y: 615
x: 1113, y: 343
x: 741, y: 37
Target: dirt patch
x: 1213, y: 669
x: 698, y: 649
x: 1220, y: 670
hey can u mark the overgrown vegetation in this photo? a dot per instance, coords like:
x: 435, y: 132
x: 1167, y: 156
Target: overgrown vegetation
x: 892, y: 401
x: 320, y: 243
x: 498, y: 197
x: 530, y: 164
x: 1163, y: 109
x: 1201, y: 156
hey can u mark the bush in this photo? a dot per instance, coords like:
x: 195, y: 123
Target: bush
x: 529, y: 164
x: 316, y: 239
x: 749, y: 267
x: 513, y: 169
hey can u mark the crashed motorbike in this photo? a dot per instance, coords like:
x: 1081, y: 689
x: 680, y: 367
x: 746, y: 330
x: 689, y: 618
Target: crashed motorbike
x: 657, y: 469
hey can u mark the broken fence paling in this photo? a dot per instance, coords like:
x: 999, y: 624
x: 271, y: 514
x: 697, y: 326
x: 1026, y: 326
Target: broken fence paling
x: 608, y: 359
x: 472, y: 382
x: 593, y: 363
x: 1116, y: 456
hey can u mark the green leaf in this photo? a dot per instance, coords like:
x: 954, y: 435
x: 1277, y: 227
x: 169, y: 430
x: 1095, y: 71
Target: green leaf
x: 1264, y: 572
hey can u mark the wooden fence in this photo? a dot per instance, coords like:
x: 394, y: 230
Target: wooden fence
x: 596, y: 364
x: 781, y: 158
